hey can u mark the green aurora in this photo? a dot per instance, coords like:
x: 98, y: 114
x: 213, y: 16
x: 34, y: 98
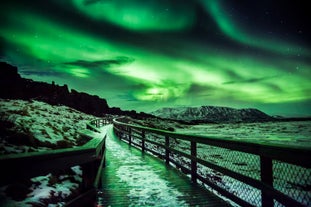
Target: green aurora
x: 147, y: 54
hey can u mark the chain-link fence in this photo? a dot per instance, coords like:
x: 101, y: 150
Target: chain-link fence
x: 293, y: 180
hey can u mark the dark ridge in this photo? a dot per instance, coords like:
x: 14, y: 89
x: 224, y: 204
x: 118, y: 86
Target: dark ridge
x: 13, y: 86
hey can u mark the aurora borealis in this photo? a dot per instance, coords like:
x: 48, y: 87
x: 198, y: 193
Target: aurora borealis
x: 147, y: 54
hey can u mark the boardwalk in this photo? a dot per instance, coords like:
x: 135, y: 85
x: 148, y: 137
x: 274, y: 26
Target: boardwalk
x: 132, y: 178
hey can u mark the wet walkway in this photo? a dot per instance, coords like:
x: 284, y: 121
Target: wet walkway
x: 133, y: 178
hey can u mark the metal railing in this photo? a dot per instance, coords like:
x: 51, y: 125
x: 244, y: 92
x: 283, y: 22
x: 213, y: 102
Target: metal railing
x: 248, y: 174
x: 97, y: 123
x: 90, y: 156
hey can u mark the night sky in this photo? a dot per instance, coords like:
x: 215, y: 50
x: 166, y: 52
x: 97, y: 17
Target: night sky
x: 148, y: 54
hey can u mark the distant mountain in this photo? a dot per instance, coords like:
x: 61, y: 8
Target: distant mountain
x: 213, y: 114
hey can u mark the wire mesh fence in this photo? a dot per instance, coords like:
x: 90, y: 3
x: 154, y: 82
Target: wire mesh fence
x: 293, y: 180
x: 240, y: 162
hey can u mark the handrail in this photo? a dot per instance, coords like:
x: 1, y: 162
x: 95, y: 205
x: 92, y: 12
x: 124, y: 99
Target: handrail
x: 298, y: 155
x: 267, y: 154
x: 91, y: 157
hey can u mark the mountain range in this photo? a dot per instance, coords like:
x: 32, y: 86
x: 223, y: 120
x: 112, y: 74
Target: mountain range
x: 213, y: 114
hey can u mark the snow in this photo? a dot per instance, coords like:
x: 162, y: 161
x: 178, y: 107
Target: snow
x: 45, y: 191
x: 40, y: 125
x: 295, y: 133
x: 136, y: 174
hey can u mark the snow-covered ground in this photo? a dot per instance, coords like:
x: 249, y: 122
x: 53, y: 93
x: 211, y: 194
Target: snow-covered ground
x: 295, y: 133
x: 29, y: 126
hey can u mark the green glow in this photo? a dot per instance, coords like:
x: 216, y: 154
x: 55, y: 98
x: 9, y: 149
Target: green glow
x: 47, y: 40
x: 80, y: 72
x: 141, y: 15
x: 237, y: 33
x: 192, y: 74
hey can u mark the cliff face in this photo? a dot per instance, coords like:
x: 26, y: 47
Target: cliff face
x: 13, y: 86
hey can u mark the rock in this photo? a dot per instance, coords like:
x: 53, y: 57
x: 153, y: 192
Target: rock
x: 13, y: 86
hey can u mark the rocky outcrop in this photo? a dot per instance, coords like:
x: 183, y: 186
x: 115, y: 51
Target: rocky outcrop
x: 13, y: 86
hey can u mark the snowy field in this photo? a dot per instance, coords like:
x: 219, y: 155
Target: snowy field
x: 295, y: 133
x: 30, y: 126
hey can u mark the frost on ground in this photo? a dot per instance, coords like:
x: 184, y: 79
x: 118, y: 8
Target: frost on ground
x: 135, y: 173
x: 31, y: 126
x: 27, y: 126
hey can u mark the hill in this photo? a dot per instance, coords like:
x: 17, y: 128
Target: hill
x: 213, y: 114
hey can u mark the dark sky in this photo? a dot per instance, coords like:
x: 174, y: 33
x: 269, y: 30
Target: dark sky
x: 147, y: 54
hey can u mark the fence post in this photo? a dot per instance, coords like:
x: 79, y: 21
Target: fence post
x: 104, y: 154
x: 122, y: 129
x: 143, y: 141
x: 167, y: 151
x: 194, y: 162
x: 130, y: 136
x: 266, y: 173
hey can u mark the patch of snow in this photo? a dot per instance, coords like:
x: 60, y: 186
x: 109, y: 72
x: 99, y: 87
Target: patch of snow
x: 40, y: 125
x: 43, y: 191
